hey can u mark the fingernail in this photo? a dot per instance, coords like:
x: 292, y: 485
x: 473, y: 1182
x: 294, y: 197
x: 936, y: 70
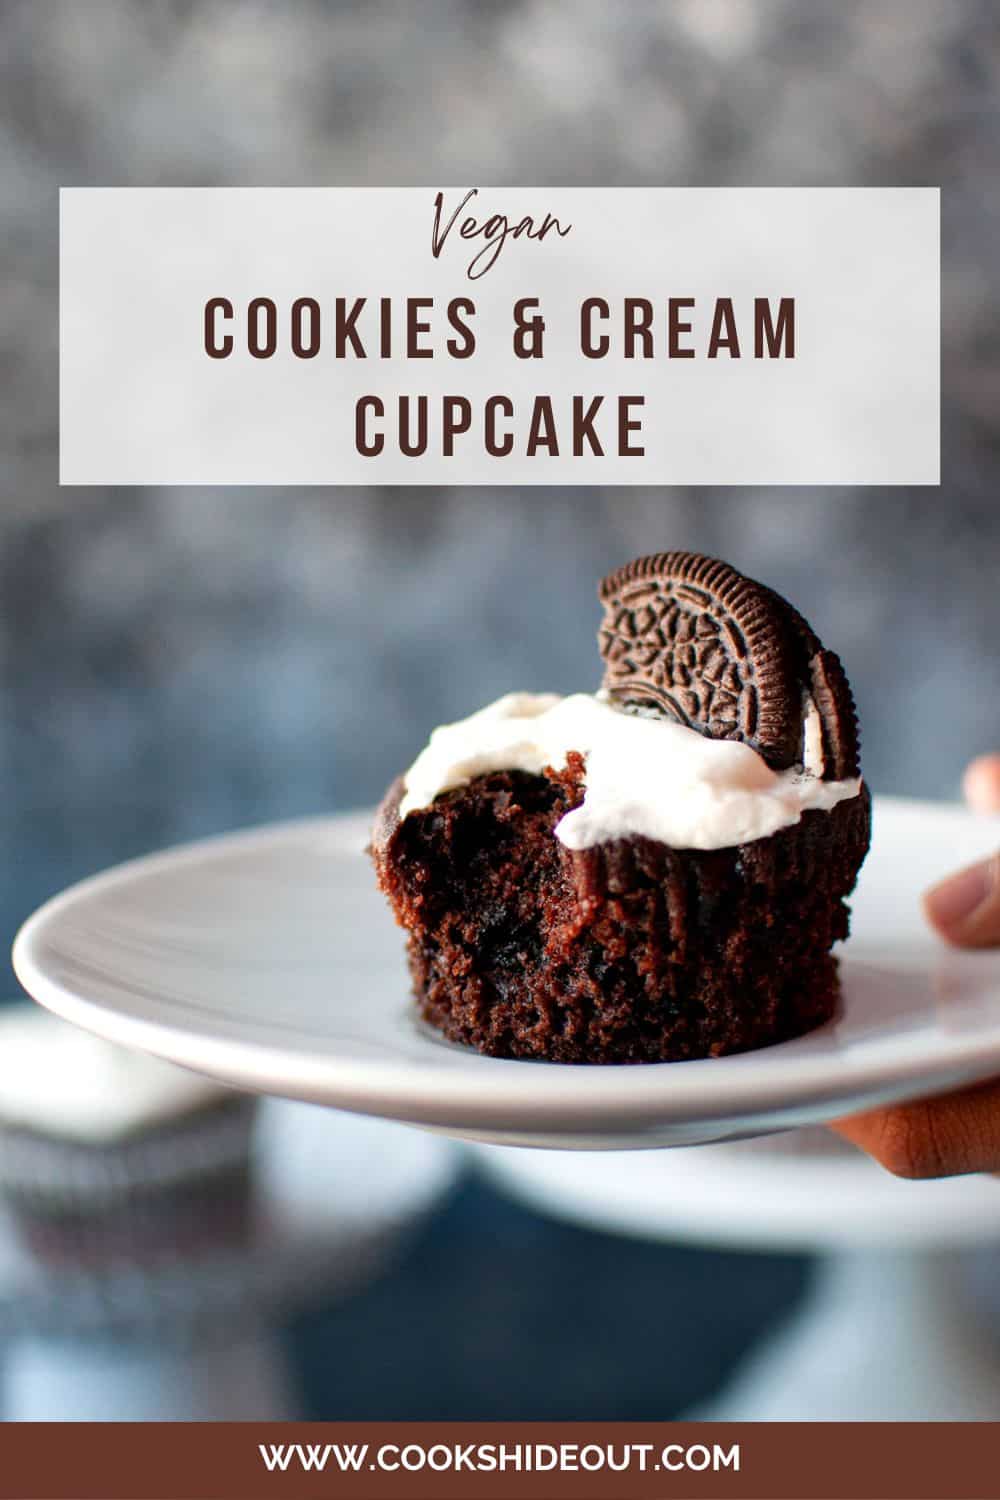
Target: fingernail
x: 951, y: 904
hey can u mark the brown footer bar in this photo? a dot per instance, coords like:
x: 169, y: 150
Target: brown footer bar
x: 520, y: 1460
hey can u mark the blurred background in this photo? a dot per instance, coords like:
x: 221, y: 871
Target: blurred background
x: 180, y: 662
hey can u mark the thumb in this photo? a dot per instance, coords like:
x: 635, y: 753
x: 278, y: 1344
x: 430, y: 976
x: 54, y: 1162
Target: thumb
x: 965, y: 908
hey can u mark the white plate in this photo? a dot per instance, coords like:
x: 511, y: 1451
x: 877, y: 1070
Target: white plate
x: 268, y: 959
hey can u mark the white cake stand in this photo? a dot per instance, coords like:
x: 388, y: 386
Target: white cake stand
x: 887, y: 1333
x: 196, y: 1340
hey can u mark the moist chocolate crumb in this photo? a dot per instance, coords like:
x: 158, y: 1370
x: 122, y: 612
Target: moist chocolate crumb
x: 626, y: 952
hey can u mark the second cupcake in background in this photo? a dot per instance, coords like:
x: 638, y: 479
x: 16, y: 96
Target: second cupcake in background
x: 110, y: 1157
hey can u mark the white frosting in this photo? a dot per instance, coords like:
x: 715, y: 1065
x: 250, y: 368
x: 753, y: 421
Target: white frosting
x: 812, y: 740
x: 61, y: 1081
x: 644, y: 774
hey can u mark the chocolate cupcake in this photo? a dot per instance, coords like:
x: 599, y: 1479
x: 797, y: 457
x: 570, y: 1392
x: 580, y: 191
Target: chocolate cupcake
x: 652, y: 873
x: 111, y: 1157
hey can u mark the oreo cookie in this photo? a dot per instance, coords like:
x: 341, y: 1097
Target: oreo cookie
x: 690, y: 637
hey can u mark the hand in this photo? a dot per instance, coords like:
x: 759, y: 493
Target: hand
x: 957, y: 1132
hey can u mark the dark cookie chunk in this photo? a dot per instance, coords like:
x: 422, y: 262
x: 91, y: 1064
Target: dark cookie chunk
x: 692, y: 637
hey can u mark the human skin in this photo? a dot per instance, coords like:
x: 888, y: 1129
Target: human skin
x: 958, y: 1132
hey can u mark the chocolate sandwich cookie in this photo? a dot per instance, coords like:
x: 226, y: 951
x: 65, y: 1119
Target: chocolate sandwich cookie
x: 691, y: 637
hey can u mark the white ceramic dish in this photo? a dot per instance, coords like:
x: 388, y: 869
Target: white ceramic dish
x: 268, y: 960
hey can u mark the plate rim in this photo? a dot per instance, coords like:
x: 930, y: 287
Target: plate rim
x: 575, y: 1097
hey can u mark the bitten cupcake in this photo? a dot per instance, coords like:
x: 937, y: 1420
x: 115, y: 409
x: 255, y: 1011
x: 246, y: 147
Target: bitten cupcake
x: 109, y: 1156
x: 655, y: 872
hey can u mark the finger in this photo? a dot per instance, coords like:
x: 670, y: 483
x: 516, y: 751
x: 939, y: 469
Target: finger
x: 932, y: 1137
x: 965, y: 908
x: 981, y: 784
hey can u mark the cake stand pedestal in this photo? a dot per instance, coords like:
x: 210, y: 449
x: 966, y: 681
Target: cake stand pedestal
x: 197, y: 1339
x: 889, y: 1331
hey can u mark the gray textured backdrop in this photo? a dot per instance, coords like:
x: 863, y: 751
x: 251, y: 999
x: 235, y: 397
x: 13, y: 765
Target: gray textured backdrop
x: 175, y: 662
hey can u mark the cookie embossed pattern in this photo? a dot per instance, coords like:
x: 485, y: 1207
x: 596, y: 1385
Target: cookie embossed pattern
x: 722, y: 654
x: 716, y: 777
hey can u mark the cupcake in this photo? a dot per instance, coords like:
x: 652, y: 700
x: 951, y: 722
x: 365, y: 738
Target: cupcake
x: 651, y: 873
x: 109, y: 1156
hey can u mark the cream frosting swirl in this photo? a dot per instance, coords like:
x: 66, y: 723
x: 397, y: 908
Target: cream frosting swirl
x: 644, y: 774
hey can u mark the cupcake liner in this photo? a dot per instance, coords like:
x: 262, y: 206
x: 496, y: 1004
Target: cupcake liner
x: 195, y: 1299
x: 142, y: 1227
x: 60, y: 1175
x: 335, y: 1198
x: 170, y: 1193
